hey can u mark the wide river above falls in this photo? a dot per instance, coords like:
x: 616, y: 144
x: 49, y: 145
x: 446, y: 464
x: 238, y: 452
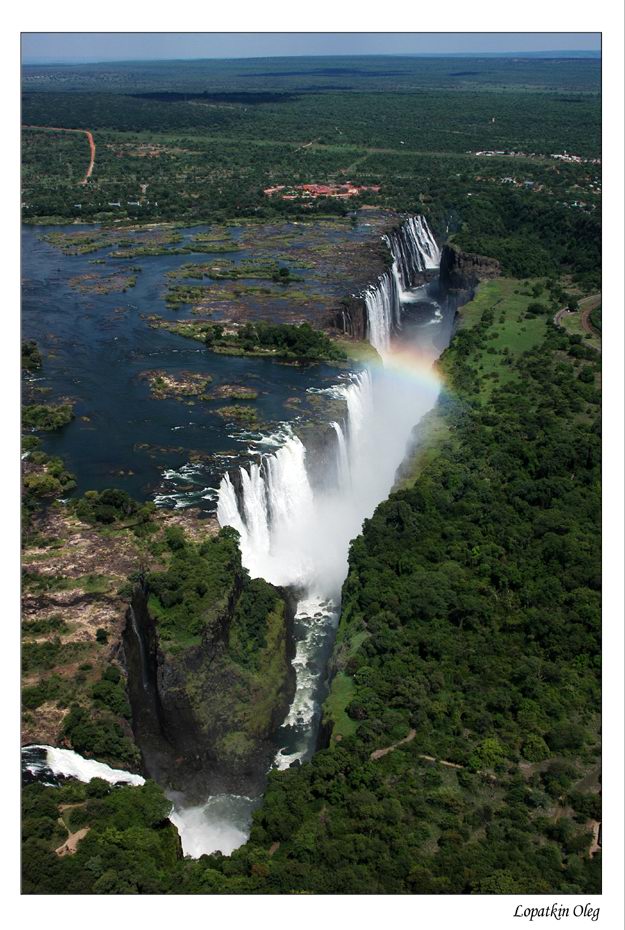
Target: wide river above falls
x: 97, y: 347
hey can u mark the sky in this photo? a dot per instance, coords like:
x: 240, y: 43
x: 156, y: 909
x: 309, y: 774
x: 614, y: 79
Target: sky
x: 40, y: 47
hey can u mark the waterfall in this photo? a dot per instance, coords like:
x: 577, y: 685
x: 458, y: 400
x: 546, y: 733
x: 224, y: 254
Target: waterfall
x: 343, y: 471
x: 414, y: 251
x: 228, y: 508
x: 275, y: 499
x: 297, y: 533
x: 256, y: 512
x: 383, y: 311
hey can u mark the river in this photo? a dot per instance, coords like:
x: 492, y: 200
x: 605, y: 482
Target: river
x: 296, y: 525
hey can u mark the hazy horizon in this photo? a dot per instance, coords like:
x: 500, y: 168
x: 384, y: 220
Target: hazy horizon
x: 102, y: 47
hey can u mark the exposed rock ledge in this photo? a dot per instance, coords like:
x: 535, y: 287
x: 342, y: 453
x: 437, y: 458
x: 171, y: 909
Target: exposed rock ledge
x: 461, y: 272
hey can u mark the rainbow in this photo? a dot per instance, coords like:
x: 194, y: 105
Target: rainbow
x: 414, y: 365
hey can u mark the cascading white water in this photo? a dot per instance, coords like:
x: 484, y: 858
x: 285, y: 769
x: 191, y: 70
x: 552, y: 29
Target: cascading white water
x: 383, y: 310
x: 38, y: 760
x: 294, y: 534
x: 256, y: 514
x: 414, y: 251
x: 343, y: 473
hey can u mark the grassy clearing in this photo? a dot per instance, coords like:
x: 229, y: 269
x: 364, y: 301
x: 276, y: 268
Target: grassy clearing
x: 512, y: 333
x: 340, y: 695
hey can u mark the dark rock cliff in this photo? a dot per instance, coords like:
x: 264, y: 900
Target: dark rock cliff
x: 461, y: 272
x: 350, y: 318
x: 204, y: 714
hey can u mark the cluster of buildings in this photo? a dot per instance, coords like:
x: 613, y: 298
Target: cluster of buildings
x: 563, y: 156
x: 118, y: 203
x: 576, y: 159
x: 313, y: 191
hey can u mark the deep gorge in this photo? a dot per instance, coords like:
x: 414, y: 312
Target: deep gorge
x: 295, y: 517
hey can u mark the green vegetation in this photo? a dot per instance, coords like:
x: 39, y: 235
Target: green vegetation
x: 31, y: 356
x: 47, y: 416
x: 411, y: 126
x: 228, y: 270
x: 111, y: 507
x: 90, y: 584
x: 114, y: 283
x: 225, y: 644
x: 191, y: 595
x: 234, y: 392
x: 110, y: 692
x: 471, y: 616
x: 532, y: 236
x: 130, y: 846
x: 595, y: 318
x: 95, y: 709
x: 282, y: 341
x: 52, y: 624
x: 183, y: 385
x: 99, y: 735
x: 45, y: 478
x: 244, y: 416
x: 340, y: 697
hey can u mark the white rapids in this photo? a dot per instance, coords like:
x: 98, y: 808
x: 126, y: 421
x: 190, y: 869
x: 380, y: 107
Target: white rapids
x: 69, y: 764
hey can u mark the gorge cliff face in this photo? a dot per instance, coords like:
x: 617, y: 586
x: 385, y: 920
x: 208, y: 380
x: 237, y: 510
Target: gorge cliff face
x: 461, y: 272
x: 350, y: 318
x: 208, y: 695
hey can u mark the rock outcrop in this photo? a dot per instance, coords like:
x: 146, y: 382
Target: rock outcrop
x: 461, y: 272
x: 350, y: 318
x: 205, y: 707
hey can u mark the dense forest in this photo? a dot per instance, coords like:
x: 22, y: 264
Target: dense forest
x: 460, y: 741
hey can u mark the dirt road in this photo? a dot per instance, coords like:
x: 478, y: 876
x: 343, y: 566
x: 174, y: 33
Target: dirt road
x: 69, y: 847
x: 85, y: 132
x: 379, y: 753
x: 586, y: 306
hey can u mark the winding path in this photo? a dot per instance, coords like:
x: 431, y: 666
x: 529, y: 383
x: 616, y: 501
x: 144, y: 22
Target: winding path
x: 380, y: 753
x: 85, y: 132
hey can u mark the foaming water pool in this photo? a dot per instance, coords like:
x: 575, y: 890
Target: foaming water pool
x: 220, y: 824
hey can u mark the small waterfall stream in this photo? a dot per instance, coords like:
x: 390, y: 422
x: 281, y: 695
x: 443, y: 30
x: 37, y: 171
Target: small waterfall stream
x: 295, y: 533
x: 141, y: 646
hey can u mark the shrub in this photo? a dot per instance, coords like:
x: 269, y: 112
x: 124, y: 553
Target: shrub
x: 47, y: 416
